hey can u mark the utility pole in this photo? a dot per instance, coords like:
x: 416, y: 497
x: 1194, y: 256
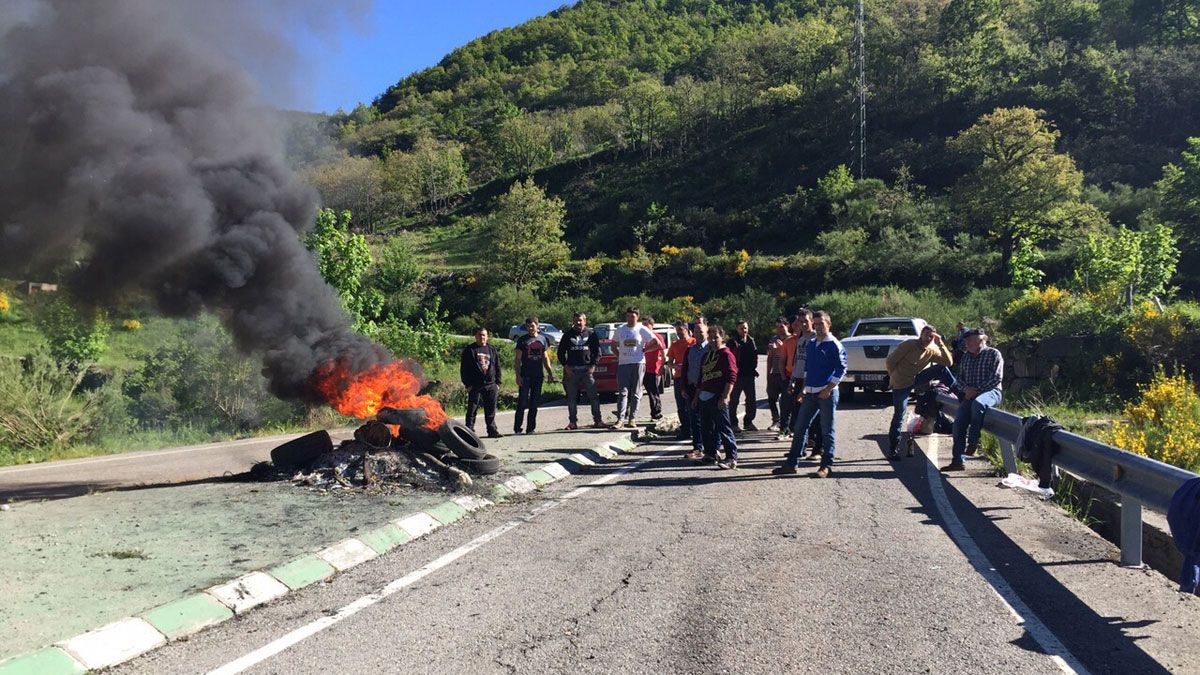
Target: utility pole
x: 860, y: 57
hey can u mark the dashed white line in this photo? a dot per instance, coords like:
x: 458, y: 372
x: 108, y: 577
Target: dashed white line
x: 306, y: 631
x: 1025, y: 617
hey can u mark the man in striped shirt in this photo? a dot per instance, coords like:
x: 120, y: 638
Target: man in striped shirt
x: 980, y: 381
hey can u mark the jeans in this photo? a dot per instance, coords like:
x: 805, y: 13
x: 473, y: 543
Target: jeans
x: 714, y: 421
x: 776, y: 395
x: 744, y: 386
x: 650, y: 381
x: 629, y: 390
x: 697, y: 428
x: 528, y: 393
x: 575, y: 377
x: 485, y: 396
x: 900, y: 398
x: 684, y: 406
x: 969, y: 421
x: 810, y: 408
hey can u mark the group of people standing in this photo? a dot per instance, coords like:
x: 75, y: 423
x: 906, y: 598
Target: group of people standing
x: 714, y: 374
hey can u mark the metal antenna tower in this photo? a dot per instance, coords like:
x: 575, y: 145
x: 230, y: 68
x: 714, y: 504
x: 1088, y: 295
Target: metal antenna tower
x: 860, y: 82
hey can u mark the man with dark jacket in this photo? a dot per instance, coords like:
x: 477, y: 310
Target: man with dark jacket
x: 746, y: 354
x: 479, y: 370
x: 718, y: 373
x: 578, y: 352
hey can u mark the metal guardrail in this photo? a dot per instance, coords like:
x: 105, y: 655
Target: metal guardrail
x: 1139, y: 481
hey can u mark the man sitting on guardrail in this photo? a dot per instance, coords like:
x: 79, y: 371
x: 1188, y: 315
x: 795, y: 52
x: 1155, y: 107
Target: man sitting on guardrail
x: 980, y: 380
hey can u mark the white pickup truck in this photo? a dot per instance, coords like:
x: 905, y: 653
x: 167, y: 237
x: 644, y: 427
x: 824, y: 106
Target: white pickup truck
x: 867, y: 348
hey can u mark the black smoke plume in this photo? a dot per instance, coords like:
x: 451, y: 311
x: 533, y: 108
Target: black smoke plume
x: 132, y: 141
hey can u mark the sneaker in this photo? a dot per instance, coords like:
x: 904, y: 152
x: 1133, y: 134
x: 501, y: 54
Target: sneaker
x: 727, y: 464
x: 822, y: 472
x: 708, y: 459
x: 571, y: 427
x: 953, y: 466
x: 495, y: 434
x: 599, y: 425
x: 629, y: 424
x: 814, y: 454
x: 784, y: 471
x: 972, y: 450
x: 656, y: 417
x: 749, y: 426
x: 773, y: 426
x: 781, y: 437
x: 516, y: 432
x: 693, y: 455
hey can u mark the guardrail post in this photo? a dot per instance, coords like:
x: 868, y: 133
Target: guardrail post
x: 1008, y: 453
x: 1131, y: 532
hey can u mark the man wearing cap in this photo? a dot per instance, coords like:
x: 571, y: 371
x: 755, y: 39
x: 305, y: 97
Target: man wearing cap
x: 907, y: 365
x: 980, y: 379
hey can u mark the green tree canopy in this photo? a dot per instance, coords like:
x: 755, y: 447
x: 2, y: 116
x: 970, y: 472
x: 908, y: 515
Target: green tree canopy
x: 343, y: 259
x: 527, y: 235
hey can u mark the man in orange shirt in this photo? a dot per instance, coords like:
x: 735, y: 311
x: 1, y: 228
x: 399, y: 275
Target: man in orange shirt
x: 675, y: 359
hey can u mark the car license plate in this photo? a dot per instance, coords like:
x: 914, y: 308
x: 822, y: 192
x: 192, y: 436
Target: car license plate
x: 869, y: 377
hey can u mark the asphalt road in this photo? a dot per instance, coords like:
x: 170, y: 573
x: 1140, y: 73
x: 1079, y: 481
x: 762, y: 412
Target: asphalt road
x: 670, y: 567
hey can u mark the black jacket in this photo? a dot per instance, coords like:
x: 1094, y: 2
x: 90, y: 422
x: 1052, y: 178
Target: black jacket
x: 746, y: 356
x: 480, y: 366
x: 579, y: 347
x: 1036, y: 445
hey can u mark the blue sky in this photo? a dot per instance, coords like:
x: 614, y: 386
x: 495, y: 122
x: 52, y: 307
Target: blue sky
x: 399, y: 37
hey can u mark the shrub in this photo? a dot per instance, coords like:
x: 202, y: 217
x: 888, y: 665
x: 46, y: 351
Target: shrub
x: 1034, y: 308
x: 1164, y: 423
x: 429, y: 340
x: 76, y: 336
x: 131, y: 325
x: 39, y: 406
x: 5, y: 305
x: 1153, y: 327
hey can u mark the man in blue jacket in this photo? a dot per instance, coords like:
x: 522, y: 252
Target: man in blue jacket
x: 824, y: 367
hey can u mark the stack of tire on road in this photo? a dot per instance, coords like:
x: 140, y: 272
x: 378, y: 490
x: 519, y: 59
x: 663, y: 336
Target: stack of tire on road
x: 452, y: 442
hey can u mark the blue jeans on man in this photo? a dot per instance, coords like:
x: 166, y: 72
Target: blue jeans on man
x: 528, y: 394
x: 684, y: 406
x: 900, y: 398
x: 716, y: 429
x: 968, y: 423
x: 812, y: 408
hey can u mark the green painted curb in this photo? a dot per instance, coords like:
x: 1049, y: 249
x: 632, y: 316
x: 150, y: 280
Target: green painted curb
x: 49, y: 661
x: 539, y: 477
x: 501, y: 492
x: 186, y: 616
x: 302, y: 571
x: 385, y: 538
x: 447, y: 512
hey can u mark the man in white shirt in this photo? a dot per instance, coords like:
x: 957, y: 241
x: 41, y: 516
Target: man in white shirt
x: 631, y: 340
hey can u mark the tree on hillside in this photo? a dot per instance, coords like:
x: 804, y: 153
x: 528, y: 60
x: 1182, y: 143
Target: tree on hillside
x: 527, y: 235
x: 351, y: 184
x: 522, y: 145
x: 1179, y: 202
x: 343, y: 259
x: 1021, y: 184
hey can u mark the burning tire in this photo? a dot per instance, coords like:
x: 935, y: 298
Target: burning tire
x: 461, y: 440
x: 300, y: 453
x: 482, y: 466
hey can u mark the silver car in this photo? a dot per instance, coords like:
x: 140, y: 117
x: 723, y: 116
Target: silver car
x: 546, y: 330
x: 867, y: 348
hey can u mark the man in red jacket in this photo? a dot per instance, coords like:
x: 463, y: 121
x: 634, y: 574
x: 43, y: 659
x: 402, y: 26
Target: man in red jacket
x: 718, y: 372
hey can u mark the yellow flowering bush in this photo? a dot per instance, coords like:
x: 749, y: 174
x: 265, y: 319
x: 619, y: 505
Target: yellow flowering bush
x: 1033, y: 308
x: 738, y: 263
x: 776, y: 264
x: 5, y: 305
x: 1164, y: 423
x: 131, y: 324
x: 671, y: 251
x: 1149, y: 326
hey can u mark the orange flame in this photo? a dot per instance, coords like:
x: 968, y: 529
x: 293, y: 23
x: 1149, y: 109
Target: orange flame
x: 363, y: 394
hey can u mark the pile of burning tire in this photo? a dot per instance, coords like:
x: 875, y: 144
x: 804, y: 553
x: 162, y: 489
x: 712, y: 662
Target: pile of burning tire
x: 451, y: 453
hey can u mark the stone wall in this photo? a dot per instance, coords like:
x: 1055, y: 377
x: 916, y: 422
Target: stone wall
x: 1028, y: 362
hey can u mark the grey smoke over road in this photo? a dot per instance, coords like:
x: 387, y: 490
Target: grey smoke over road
x: 132, y: 141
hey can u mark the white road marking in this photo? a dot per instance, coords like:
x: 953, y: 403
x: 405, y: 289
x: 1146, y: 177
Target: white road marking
x: 302, y: 633
x: 1025, y: 617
